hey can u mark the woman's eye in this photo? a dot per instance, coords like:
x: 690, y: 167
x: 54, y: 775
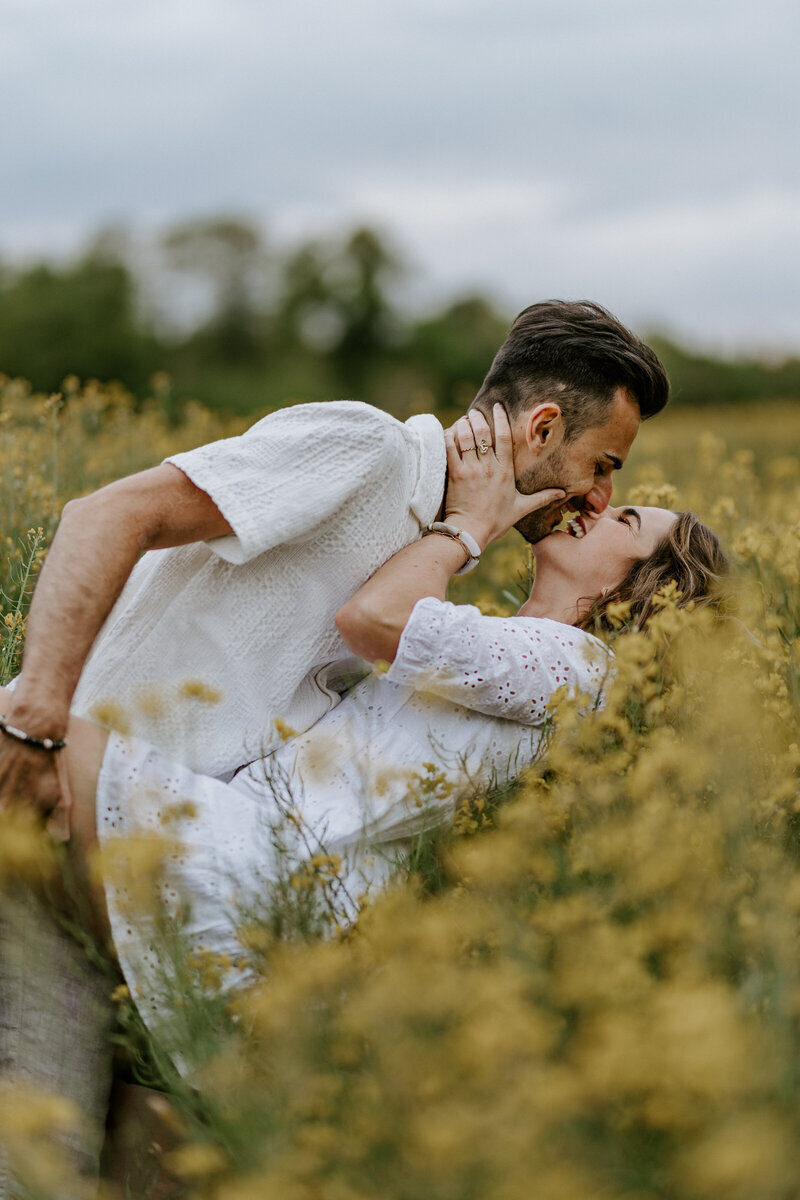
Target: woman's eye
x: 625, y: 520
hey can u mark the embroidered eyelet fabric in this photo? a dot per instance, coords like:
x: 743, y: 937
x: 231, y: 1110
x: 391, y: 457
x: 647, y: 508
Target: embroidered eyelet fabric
x: 462, y: 707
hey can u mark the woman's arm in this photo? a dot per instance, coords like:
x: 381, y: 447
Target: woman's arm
x: 482, y: 498
x: 372, y: 621
x: 506, y: 667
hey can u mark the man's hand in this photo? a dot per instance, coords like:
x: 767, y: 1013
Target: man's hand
x: 95, y: 549
x: 28, y: 776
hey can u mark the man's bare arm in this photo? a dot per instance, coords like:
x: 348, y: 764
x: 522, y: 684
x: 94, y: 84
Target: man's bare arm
x: 97, y: 545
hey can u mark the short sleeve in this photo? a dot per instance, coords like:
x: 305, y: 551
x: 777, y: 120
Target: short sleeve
x: 292, y: 471
x: 500, y: 666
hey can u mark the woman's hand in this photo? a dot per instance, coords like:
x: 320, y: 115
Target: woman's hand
x: 482, y: 498
x: 482, y: 495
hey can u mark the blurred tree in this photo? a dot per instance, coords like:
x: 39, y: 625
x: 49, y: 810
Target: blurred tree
x: 78, y: 319
x: 317, y: 322
x: 334, y: 303
x: 456, y: 348
x: 364, y: 271
x: 227, y: 257
x: 699, y: 379
x: 306, y: 315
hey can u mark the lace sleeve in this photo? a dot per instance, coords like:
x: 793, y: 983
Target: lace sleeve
x: 501, y: 666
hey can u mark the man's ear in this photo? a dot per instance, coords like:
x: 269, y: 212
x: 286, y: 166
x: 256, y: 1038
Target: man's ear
x: 544, y: 427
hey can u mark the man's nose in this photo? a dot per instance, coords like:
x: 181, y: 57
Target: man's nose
x: 597, y: 498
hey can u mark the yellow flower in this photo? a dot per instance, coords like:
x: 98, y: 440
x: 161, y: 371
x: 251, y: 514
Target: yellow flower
x: 196, y: 689
x: 110, y: 715
x: 196, y: 1160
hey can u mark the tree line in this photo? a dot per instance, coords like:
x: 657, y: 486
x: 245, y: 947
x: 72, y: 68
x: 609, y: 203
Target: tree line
x: 242, y: 326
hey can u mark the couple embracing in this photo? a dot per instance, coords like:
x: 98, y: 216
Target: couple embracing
x: 278, y: 566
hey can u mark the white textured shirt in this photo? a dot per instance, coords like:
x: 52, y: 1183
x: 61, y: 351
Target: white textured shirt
x: 318, y: 496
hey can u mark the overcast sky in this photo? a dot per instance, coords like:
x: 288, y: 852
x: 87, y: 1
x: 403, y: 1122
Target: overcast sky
x: 642, y: 154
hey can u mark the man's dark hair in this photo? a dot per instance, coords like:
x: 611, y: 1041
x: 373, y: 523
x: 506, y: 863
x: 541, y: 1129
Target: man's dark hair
x: 575, y: 354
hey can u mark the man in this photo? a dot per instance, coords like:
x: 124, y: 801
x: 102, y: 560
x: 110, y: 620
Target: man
x: 226, y: 625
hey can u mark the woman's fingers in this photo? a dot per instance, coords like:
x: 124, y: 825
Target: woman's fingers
x: 536, y: 500
x: 465, y: 438
x: 482, y: 496
x: 503, y: 444
x: 451, y: 449
x: 481, y: 431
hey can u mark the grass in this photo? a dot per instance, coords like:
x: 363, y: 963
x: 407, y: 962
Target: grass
x: 590, y: 987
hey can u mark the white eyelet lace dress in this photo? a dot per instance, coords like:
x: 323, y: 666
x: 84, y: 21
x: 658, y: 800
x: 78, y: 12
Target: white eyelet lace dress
x: 462, y: 707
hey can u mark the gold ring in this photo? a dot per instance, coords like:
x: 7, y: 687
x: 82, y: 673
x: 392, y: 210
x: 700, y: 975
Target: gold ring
x: 483, y: 446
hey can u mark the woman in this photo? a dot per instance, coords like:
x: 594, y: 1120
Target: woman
x: 462, y: 706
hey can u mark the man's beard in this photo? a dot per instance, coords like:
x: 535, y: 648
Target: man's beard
x: 539, y: 524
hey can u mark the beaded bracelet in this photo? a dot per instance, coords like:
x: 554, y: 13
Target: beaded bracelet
x: 27, y: 739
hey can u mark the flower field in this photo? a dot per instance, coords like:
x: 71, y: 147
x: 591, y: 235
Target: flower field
x: 591, y: 988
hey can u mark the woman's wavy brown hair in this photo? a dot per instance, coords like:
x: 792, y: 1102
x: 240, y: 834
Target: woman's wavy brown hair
x: 690, y: 554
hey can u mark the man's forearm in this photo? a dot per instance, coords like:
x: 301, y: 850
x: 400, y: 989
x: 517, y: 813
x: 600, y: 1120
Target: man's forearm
x: 95, y: 549
x: 89, y: 562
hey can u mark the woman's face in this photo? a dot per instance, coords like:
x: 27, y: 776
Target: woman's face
x: 595, y: 554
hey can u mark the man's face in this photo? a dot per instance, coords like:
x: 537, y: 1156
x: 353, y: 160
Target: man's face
x: 582, y: 467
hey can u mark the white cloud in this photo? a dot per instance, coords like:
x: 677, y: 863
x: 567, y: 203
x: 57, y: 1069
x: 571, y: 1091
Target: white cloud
x: 636, y: 151
x: 723, y: 269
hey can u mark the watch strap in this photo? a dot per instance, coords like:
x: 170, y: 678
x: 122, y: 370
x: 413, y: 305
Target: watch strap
x: 463, y: 537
